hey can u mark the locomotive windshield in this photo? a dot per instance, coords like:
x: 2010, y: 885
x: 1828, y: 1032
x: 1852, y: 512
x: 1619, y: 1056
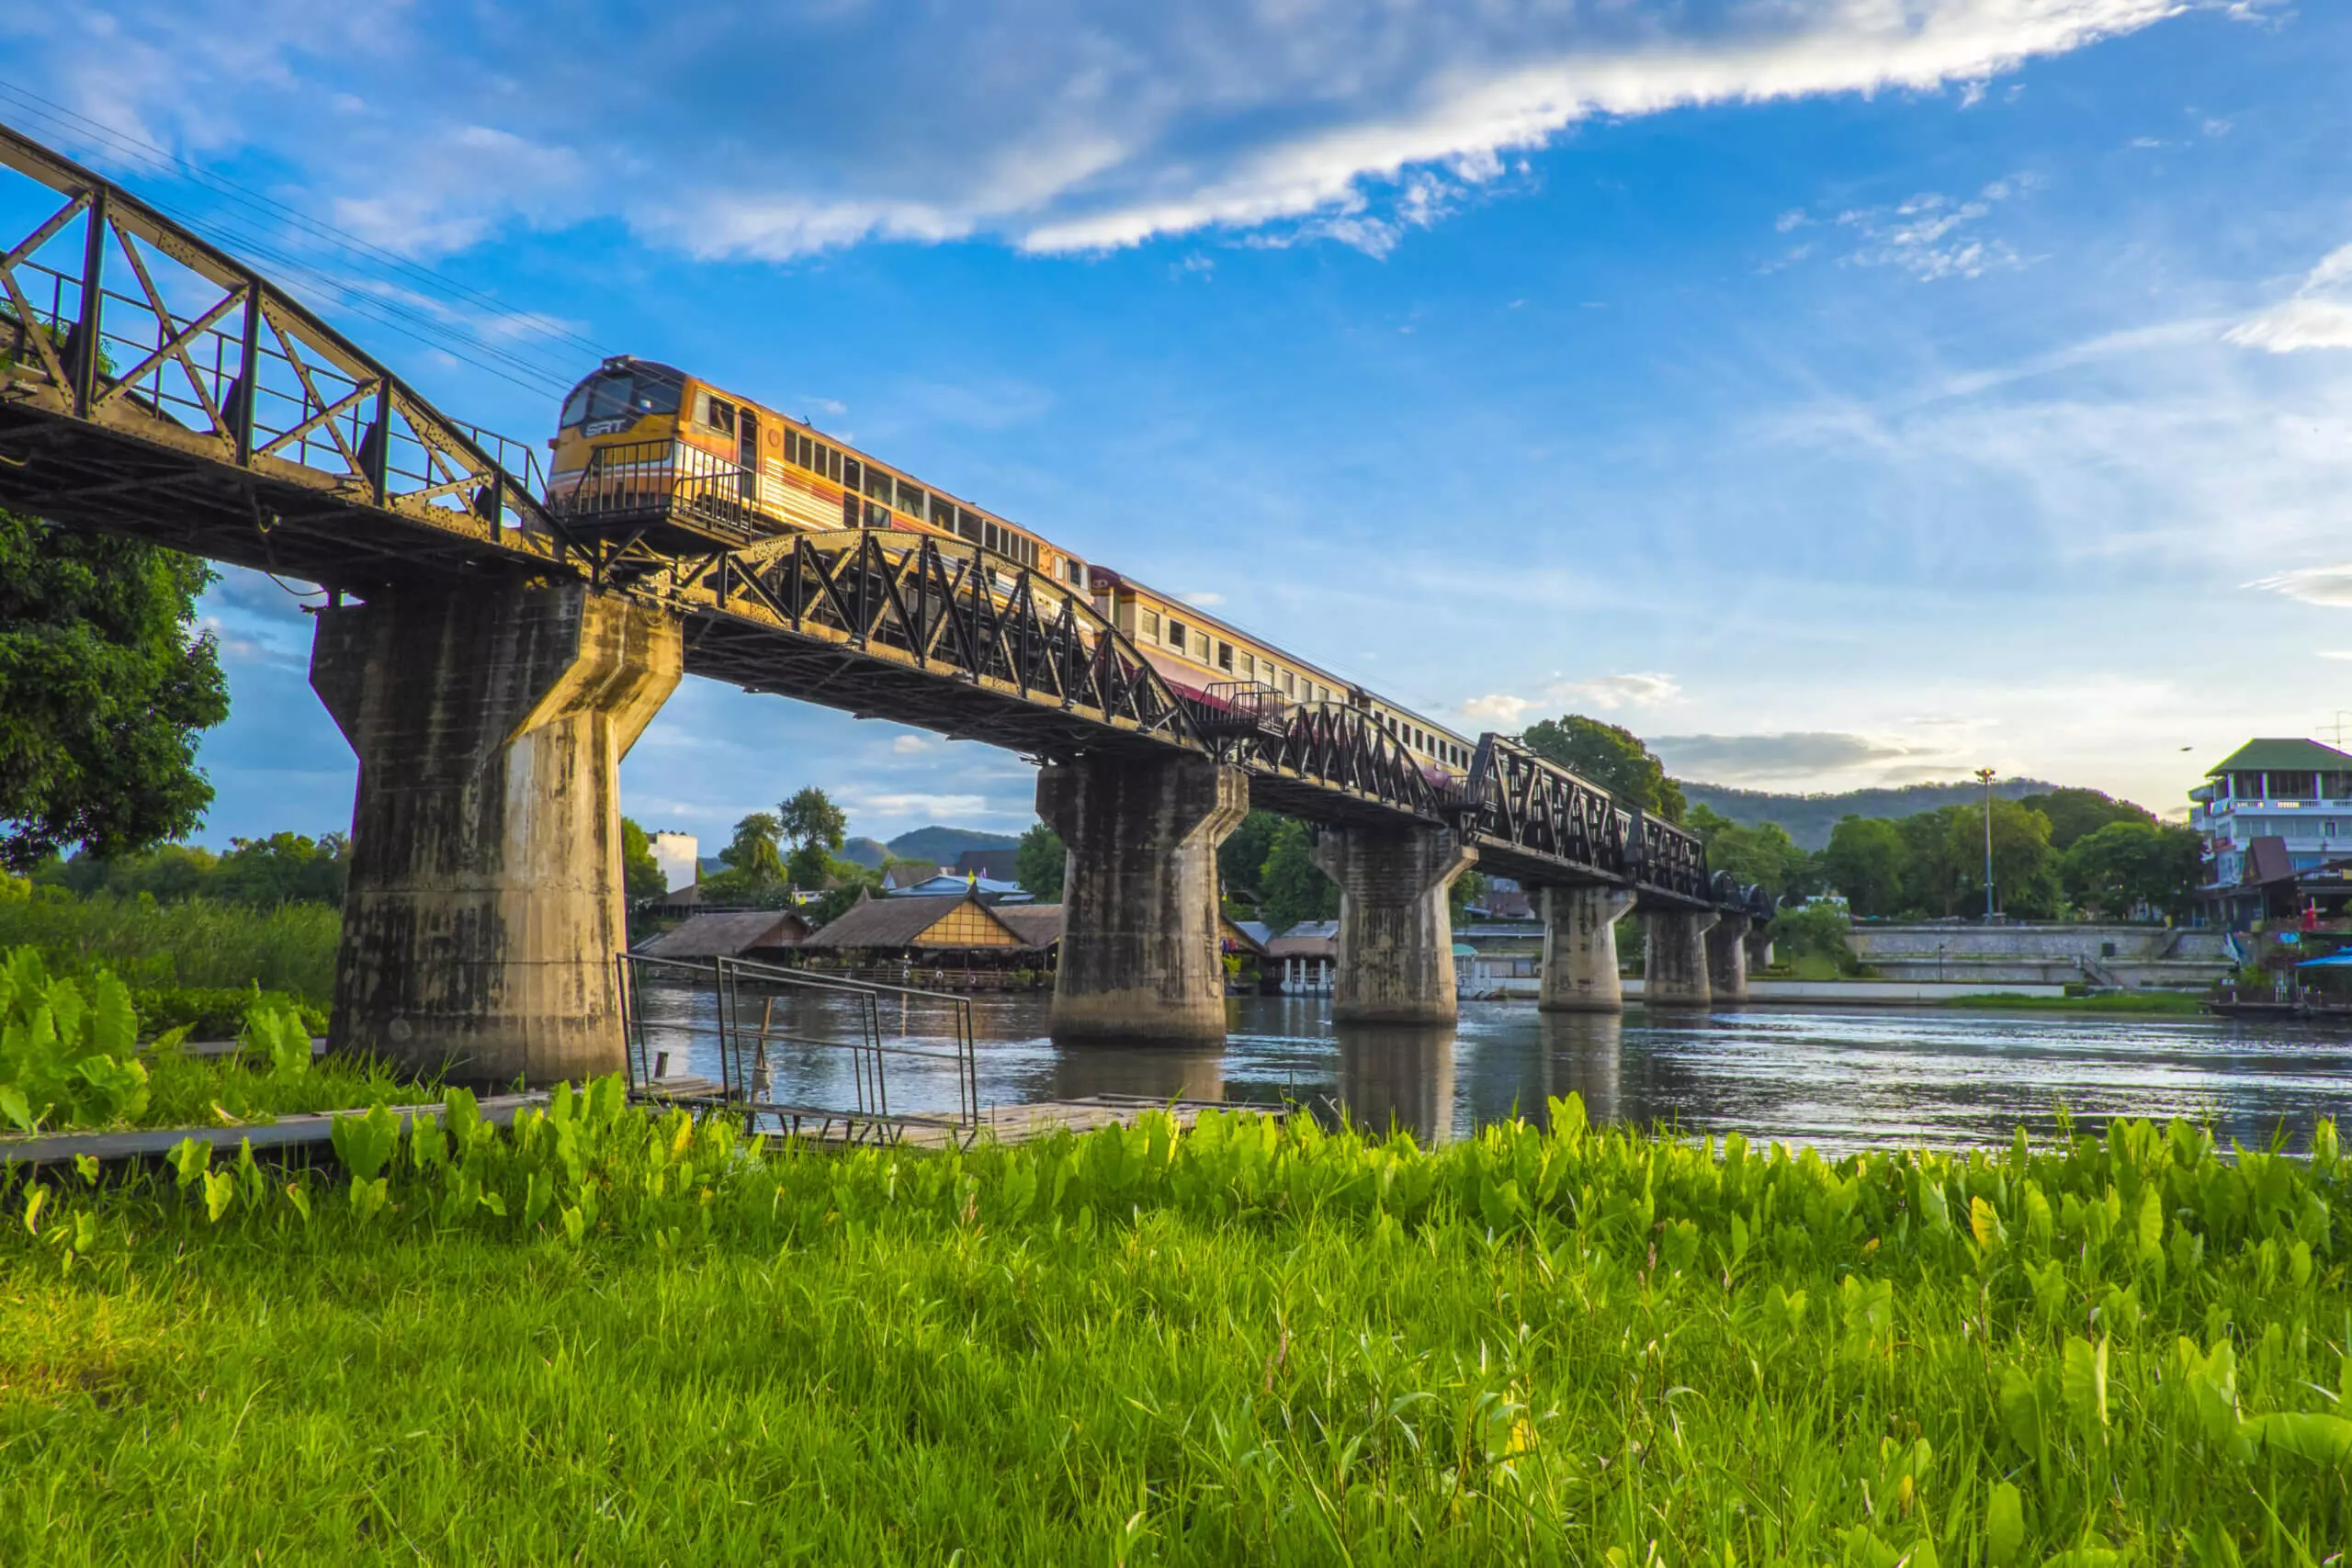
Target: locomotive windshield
x: 624, y: 392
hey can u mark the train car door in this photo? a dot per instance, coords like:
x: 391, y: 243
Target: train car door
x: 747, y: 454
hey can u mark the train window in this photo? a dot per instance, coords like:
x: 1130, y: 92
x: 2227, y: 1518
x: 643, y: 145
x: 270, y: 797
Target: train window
x: 877, y: 484
x: 876, y: 514
x: 851, y: 473
x: 1225, y: 657
x: 1176, y: 635
x: 1151, y: 625
x: 718, y: 414
x: 987, y: 534
x: 968, y: 524
x: 912, y: 500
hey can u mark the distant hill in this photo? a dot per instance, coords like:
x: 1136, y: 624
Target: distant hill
x: 1809, y: 817
x: 866, y: 852
x: 942, y: 845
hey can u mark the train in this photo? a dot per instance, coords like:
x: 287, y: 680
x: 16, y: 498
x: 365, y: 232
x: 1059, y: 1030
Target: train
x: 639, y: 421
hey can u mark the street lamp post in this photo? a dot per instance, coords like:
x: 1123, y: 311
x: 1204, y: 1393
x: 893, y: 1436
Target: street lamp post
x: 1985, y: 777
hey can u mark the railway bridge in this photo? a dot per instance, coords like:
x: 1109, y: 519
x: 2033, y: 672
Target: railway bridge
x: 491, y: 657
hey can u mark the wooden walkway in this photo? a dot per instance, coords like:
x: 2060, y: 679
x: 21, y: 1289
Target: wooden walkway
x: 286, y: 1132
x: 826, y: 1128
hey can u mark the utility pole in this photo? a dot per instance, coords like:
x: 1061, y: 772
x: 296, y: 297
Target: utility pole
x: 1985, y: 777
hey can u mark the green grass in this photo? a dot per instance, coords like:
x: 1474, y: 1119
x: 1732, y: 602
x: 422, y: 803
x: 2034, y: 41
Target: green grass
x: 195, y: 944
x: 210, y: 1092
x: 610, y: 1339
x: 2174, y: 1003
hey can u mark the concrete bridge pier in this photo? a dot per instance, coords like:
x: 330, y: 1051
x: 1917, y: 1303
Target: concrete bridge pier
x: 1140, y: 957
x: 486, y: 896
x: 1395, y: 927
x: 1675, y: 973
x: 1727, y: 958
x: 1581, y: 949
x: 1760, y: 945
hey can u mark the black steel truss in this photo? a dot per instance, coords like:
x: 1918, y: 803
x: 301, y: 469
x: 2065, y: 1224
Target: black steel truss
x: 151, y: 384
x: 1530, y: 817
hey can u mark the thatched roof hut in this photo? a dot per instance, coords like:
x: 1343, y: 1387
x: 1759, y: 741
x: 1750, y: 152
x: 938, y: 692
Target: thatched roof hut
x: 933, y: 930
x: 767, y: 935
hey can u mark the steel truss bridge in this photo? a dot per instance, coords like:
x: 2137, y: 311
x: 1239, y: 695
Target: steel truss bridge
x: 155, y: 386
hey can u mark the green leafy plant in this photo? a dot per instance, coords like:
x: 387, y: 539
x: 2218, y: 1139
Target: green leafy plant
x: 275, y: 1032
x: 64, y: 1056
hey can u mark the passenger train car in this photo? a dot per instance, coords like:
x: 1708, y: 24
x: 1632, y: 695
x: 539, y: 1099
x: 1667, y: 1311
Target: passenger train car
x: 635, y: 425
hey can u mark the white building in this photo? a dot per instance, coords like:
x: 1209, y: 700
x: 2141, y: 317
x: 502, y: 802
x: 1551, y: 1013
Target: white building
x: 2298, y: 792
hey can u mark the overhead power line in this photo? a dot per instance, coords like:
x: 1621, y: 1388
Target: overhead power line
x: 261, y: 228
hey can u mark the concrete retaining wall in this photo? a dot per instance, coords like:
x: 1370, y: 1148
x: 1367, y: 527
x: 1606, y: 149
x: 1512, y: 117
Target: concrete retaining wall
x: 1811, y: 993
x: 1979, y: 957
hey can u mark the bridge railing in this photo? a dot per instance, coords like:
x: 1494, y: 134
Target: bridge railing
x: 117, y: 315
x: 639, y: 483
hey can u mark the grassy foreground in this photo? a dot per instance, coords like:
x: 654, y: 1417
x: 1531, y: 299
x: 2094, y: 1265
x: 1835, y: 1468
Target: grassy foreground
x: 613, y: 1338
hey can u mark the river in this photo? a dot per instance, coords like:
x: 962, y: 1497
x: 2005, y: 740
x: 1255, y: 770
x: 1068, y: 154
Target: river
x: 1837, y: 1078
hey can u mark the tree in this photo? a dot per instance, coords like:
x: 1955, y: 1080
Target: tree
x: 2127, y: 865
x: 1609, y: 756
x: 1292, y: 888
x: 1763, y: 856
x: 1471, y: 884
x: 641, y: 874
x: 2076, y: 814
x: 1814, y: 931
x: 1706, y: 822
x: 845, y: 881
x: 811, y: 817
x: 1241, y: 859
x: 753, y: 850
x: 285, y: 868
x: 1039, y: 862
x: 105, y: 683
x: 1864, y: 862
x: 1931, y: 877
x: 2024, y: 872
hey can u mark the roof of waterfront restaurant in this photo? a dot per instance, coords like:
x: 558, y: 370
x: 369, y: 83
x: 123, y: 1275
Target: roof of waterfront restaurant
x: 1308, y: 939
x: 904, y: 920
x: 726, y: 935
x: 2285, y: 756
x: 1040, y: 925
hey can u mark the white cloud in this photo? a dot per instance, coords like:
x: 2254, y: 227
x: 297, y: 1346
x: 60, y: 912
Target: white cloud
x: 2319, y: 315
x: 912, y: 745
x: 1053, y: 125
x: 1788, y: 755
x: 2312, y: 584
x: 909, y: 805
x: 1932, y: 236
x: 1498, y: 708
x: 1638, y: 690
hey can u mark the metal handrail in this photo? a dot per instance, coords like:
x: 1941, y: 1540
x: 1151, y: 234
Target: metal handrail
x: 743, y: 1046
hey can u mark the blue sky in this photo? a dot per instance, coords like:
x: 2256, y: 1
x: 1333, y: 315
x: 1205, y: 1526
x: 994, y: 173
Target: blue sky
x: 1832, y: 391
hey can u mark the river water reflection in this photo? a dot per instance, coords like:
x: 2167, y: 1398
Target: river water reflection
x: 1834, y: 1078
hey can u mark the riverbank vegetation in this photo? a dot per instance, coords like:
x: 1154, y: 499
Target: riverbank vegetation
x: 191, y: 945
x: 611, y: 1338
x: 73, y: 1058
